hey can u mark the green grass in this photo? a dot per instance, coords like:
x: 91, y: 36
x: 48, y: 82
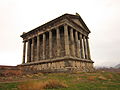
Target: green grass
x: 78, y: 81
x: 8, y: 86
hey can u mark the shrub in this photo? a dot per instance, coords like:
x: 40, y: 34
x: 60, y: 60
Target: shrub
x: 54, y: 84
x: 49, y: 84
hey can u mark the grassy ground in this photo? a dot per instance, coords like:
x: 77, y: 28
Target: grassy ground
x: 63, y: 81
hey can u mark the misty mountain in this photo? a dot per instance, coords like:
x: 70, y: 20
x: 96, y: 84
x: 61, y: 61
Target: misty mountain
x: 117, y: 66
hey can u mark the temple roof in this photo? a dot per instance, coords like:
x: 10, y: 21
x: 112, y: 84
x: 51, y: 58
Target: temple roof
x: 76, y: 19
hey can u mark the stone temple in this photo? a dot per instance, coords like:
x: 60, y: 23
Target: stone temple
x: 61, y: 44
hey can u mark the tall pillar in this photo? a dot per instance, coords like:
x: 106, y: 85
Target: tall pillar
x: 29, y: 51
x: 58, y: 41
x: 85, y: 49
x: 77, y: 44
x: 44, y: 38
x: 50, y: 44
x: 72, y: 42
x: 38, y: 47
x: 24, y: 51
x: 66, y: 39
x: 81, y: 47
x: 88, y: 48
x: 32, y: 50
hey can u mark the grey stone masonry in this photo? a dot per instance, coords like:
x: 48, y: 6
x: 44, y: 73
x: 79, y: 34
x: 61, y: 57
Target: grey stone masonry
x: 77, y: 44
x: 72, y: 42
x: 38, y: 48
x: 32, y: 50
x: 50, y: 44
x: 58, y: 41
x: 67, y: 51
x: 61, y: 44
x: 44, y: 38
x: 29, y: 52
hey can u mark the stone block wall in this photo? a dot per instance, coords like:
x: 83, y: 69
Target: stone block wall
x: 62, y: 66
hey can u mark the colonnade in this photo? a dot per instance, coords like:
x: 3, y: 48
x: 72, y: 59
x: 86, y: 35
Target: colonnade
x: 75, y: 45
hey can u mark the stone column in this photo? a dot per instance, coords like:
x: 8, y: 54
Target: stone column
x: 72, y: 42
x: 44, y: 38
x: 32, y: 50
x: 28, y: 51
x: 77, y: 44
x: 50, y: 44
x: 24, y: 51
x: 38, y: 47
x: 88, y: 48
x: 81, y: 47
x: 85, y: 49
x: 58, y: 41
x: 66, y: 39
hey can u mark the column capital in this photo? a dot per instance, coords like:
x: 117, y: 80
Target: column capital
x: 28, y: 40
x: 50, y: 31
x: 56, y: 28
x: 65, y: 24
x: 24, y: 41
x: 71, y: 28
x: 86, y: 37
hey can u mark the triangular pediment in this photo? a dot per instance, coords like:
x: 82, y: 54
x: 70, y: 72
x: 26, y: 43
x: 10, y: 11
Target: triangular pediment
x: 78, y: 20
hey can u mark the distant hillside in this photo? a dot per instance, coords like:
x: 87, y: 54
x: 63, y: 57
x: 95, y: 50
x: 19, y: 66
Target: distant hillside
x: 117, y: 66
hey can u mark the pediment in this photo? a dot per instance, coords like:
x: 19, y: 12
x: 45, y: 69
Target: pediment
x: 77, y: 21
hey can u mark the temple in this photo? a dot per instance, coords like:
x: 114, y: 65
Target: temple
x: 59, y: 45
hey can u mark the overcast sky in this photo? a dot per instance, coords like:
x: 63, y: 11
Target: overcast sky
x: 101, y: 16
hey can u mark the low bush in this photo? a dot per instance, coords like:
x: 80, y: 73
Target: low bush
x: 49, y: 84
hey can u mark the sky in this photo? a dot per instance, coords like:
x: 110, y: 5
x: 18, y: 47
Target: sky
x: 101, y: 16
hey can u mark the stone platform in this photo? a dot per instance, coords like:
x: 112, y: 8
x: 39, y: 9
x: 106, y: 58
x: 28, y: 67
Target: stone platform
x: 64, y: 64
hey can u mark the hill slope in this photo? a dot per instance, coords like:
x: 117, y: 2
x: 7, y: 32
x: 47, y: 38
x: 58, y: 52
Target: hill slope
x: 63, y: 81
